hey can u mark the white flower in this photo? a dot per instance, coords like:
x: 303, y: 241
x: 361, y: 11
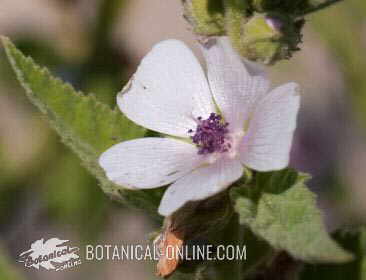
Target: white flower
x: 171, y: 94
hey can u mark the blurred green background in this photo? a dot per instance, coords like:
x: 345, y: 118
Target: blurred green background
x: 96, y: 45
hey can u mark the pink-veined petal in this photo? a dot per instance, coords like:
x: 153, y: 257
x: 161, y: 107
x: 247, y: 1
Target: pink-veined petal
x: 149, y: 162
x: 200, y: 184
x: 168, y: 91
x: 267, y: 144
x: 235, y: 90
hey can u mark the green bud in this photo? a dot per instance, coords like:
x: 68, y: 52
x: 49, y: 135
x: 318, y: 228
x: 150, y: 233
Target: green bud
x: 206, y: 16
x: 267, y: 38
x: 201, y: 219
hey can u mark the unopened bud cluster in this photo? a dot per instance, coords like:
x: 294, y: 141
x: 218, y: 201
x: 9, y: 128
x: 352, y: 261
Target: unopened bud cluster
x: 264, y: 31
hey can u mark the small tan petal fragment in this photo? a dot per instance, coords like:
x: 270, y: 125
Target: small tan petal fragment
x: 169, y: 243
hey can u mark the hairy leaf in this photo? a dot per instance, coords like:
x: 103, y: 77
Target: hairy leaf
x: 356, y: 270
x: 280, y: 209
x: 87, y: 126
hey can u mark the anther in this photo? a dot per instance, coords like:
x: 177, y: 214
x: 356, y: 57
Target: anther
x: 211, y: 135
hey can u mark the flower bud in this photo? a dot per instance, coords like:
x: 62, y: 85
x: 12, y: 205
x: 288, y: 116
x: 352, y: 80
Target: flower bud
x: 205, y: 16
x: 261, y: 31
x: 268, y: 38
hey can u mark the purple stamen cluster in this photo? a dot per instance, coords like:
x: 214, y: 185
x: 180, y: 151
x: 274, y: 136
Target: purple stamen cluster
x: 211, y: 135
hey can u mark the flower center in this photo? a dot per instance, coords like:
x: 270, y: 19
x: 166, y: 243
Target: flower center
x: 211, y: 135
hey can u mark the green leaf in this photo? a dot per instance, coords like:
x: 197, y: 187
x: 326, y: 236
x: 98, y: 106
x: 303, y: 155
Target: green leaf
x: 87, y: 126
x: 280, y: 209
x: 356, y: 270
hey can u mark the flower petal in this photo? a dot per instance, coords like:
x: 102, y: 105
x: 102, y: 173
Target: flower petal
x: 149, y: 162
x: 200, y: 184
x: 168, y: 91
x: 267, y: 144
x: 235, y: 90
x: 254, y: 68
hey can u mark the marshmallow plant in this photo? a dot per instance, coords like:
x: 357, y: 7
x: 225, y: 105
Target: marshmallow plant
x: 216, y: 166
x: 214, y: 125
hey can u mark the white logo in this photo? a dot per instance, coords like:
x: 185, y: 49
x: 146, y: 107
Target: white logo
x: 50, y: 255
